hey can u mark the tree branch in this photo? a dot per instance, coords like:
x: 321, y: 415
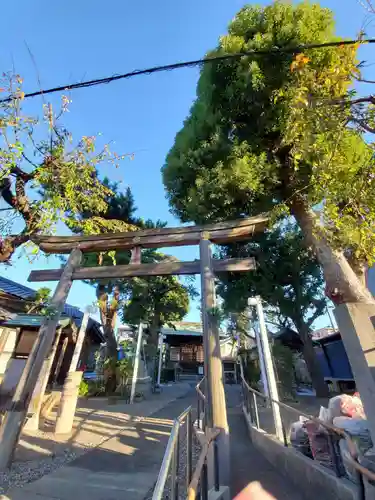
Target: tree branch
x: 318, y: 312
x: 9, y: 245
x: 363, y: 124
x: 364, y: 80
x: 25, y: 176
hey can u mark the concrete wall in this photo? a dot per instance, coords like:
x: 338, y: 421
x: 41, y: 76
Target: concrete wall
x: 371, y: 280
x: 318, y: 482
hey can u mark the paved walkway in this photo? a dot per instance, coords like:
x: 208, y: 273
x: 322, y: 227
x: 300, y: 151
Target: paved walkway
x: 125, y: 466
x: 247, y: 464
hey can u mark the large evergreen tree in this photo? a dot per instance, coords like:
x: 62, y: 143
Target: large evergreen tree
x: 267, y: 133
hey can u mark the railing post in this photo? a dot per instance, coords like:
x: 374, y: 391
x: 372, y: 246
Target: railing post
x: 189, y: 448
x: 175, y: 463
x: 216, y: 466
x: 204, y: 481
x: 256, y: 410
x: 199, y: 411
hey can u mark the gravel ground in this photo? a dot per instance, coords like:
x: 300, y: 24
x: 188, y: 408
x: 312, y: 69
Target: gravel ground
x: 182, y: 490
x: 21, y: 473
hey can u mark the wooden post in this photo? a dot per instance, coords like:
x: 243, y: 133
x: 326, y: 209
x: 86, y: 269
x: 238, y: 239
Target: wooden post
x: 60, y: 360
x: 15, y: 417
x: 36, y: 403
x: 136, y: 363
x: 3, y: 338
x: 5, y: 332
x: 215, y: 404
x: 69, y: 395
x: 79, y: 343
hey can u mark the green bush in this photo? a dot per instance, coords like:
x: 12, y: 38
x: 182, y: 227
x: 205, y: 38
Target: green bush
x: 83, y: 389
x: 96, y: 388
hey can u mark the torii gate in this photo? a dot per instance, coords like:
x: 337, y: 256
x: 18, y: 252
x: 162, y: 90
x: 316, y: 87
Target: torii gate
x: 220, y: 233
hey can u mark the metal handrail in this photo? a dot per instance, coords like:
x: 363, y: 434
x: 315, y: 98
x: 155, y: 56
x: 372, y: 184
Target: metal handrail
x: 201, y: 464
x: 199, y: 479
x: 201, y: 399
x: 198, y: 389
x: 351, y: 445
x: 171, y: 453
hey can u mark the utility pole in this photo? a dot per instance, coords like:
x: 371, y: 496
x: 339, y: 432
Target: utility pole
x: 215, y: 404
x: 263, y: 372
x: 15, y: 417
x: 136, y: 362
x: 272, y: 385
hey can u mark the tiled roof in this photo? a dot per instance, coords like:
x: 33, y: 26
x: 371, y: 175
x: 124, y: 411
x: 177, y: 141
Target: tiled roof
x: 24, y: 292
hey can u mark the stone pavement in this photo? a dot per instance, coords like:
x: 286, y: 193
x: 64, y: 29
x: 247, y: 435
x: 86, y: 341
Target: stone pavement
x: 125, y: 465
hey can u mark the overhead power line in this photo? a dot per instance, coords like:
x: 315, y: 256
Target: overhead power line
x: 169, y: 67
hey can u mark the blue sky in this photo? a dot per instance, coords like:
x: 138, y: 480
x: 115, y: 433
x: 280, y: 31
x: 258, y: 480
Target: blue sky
x: 71, y: 41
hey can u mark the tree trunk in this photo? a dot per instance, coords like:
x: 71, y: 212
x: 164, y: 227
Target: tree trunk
x: 343, y: 285
x: 153, y: 341
x: 108, y: 315
x: 311, y: 359
x: 10, y: 244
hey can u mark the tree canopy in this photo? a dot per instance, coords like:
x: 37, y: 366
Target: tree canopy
x: 289, y: 280
x: 156, y: 301
x: 270, y: 133
x: 44, y: 177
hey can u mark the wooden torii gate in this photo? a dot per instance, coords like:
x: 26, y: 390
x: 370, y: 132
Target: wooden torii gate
x: 220, y: 233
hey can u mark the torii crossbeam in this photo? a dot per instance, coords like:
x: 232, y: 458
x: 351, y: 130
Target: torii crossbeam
x: 220, y: 233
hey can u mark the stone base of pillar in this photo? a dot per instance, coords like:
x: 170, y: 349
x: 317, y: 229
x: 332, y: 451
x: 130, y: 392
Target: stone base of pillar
x: 222, y: 494
x: 49, y: 404
x: 32, y: 423
x: 68, y: 404
x: 143, y: 386
x: 368, y: 461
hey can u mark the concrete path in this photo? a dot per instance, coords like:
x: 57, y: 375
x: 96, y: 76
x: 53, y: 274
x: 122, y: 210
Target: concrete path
x: 123, y: 467
x: 246, y: 463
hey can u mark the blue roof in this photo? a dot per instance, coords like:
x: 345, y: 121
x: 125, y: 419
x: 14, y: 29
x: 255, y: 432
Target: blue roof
x: 33, y: 320
x: 189, y: 333
x: 24, y: 292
